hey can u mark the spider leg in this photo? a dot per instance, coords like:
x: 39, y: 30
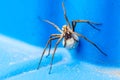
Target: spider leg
x: 65, y: 42
x: 45, y: 50
x: 53, y: 24
x: 80, y: 35
x: 53, y: 35
x: 74, y: 22
x: 54, y: 52
x: 65, y: 16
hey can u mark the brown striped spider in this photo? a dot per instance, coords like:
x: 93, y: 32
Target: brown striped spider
x: 69, y: 36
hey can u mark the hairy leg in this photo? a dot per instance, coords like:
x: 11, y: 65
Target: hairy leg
x: 52, y: 35
x: 80, y: 35
x: 54, y: 52
x: 65, y: 16
x: 45, y: 49
x: 74, y: 22
x: 53, y: 24
x: 64, y: 42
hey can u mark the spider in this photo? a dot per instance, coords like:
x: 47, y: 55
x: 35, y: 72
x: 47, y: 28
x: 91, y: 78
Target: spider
x: 68, y: 35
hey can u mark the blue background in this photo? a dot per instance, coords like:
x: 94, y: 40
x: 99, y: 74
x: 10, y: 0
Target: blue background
x: 19, y: 21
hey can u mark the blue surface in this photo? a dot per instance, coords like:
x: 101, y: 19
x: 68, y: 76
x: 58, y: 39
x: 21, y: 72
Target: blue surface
x: 23, y: 37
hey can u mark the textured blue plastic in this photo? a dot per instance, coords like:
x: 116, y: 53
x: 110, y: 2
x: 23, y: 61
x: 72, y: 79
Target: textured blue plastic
x: 19, y: 22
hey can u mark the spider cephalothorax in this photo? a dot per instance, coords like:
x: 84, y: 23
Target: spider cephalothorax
x: 68, y: 35
x: 66, y: 32
x: 70, y: 40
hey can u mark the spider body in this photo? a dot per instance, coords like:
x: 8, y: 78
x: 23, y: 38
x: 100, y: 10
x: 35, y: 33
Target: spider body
x: 68, y: 35
x: 70, y: 40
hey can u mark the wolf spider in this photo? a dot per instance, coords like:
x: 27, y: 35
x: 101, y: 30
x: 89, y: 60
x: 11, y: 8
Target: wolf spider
x: 69, y: 36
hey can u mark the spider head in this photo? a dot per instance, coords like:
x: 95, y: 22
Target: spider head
x: 65, y: 28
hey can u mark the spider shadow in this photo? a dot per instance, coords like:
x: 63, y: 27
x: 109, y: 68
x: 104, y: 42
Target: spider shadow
x: 77, y: 52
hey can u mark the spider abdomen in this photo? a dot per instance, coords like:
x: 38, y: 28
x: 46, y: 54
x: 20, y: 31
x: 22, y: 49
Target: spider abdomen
x: 71, y: 42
